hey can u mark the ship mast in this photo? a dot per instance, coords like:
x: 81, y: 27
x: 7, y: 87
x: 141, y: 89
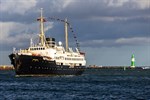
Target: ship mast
x: 66, y: 34
x: 42, y: 35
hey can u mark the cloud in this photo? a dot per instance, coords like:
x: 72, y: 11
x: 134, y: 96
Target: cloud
x: 91, y: 42
x: 13, y: 33
x: 116, y: 3
x: 17, y: 6
x: 143, y: 3
x: 134, y: 41
x: 48, y: 26
x: 140, y: 4
x: 99, y: 22
x: 18, y: 34
x: 53, y: 6
x: 105, y: 8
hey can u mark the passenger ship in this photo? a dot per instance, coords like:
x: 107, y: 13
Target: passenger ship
x: 48, y: 57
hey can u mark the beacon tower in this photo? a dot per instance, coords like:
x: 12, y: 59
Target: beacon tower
x: 132, y: 61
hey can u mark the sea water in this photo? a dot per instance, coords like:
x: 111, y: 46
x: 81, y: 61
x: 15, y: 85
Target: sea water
x: 93, y: 84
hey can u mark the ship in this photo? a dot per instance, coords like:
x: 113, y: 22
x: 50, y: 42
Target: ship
x: 48, y: 57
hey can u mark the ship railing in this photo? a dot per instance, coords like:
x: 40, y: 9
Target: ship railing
x: 20, y: 51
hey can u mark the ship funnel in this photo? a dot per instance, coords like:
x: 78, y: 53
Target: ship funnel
x: 132, y: 61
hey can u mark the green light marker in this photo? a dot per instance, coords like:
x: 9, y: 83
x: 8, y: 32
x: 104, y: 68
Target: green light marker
x: 132, y: 61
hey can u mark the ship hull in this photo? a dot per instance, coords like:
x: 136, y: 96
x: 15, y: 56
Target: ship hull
x: 36, y: 65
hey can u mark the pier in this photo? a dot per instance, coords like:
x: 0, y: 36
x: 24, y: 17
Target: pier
x: 117, y: 67
x: 6, y: 67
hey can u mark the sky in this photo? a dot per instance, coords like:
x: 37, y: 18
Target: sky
x: 109, y: 31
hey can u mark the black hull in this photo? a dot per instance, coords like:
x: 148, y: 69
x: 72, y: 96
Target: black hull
x: 36, y: 65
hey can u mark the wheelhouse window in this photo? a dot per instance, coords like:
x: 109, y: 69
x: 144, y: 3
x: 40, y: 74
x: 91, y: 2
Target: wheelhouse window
x: 37, y: 48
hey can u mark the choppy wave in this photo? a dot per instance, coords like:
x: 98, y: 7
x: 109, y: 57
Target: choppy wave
x: 92, y: 85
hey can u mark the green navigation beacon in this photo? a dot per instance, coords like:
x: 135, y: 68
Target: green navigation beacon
x: 132, y: 61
